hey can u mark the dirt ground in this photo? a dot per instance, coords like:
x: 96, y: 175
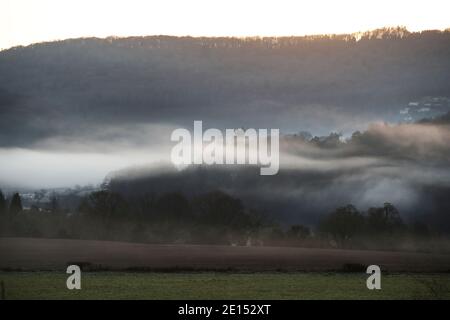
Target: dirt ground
x: 54, y: 254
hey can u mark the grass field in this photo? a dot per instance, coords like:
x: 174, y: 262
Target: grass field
x: 125, y: 285
x: 35, y: 269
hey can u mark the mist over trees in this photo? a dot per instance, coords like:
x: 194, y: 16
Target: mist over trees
x: 214, y: 218
x: 405, y: 164
x: 348, y: 223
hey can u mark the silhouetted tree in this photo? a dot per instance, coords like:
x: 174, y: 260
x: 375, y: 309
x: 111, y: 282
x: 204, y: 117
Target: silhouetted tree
x: 299, y: 232
x: 343, y: 223
x: 330, y: 141
x: 384, y: 219
x: 105, y: 205
x: 16, y: 204
x: 2, y: 203
x: 220, y: 209
x: 54, y: 204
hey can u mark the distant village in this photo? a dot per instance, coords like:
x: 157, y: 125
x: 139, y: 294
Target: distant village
x: 428, y: 107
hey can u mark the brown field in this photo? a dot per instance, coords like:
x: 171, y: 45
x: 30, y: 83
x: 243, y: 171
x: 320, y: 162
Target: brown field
x: 54, y: 254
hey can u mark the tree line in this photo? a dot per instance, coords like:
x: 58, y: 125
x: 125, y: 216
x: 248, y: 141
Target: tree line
x: 211, y: 218
x: 13, y: 207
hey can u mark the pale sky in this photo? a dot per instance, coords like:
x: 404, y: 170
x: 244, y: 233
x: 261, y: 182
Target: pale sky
x: 28, y: 21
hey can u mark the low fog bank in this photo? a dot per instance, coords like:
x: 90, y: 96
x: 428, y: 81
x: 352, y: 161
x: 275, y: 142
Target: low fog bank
x: 385, y: 188
x: 406, y: 165
x: 84, y: 158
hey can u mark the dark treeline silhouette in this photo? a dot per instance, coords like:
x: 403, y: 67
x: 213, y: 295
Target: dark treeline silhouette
x: 348, y: 225
x: 210, y: 218
x: 12, y: 207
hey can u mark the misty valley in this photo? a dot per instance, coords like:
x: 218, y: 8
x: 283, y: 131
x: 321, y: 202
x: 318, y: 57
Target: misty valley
x: 194, y: 167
